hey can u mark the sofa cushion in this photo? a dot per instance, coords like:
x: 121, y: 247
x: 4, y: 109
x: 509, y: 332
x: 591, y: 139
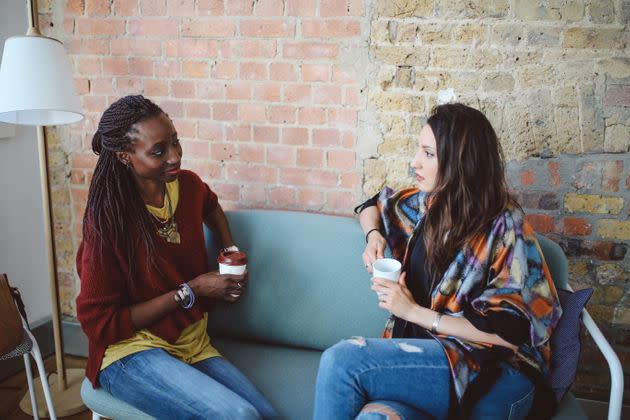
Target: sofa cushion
x: 102, y: 402
x: 285, y: 375
x: 569, y: 409
x: 556, y: 262
x: 307, y: 283
x: 565, y: 340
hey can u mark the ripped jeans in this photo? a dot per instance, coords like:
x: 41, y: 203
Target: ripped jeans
x: 405, y: 379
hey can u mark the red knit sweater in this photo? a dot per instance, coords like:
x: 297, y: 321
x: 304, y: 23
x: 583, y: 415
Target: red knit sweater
x: 103, y: 304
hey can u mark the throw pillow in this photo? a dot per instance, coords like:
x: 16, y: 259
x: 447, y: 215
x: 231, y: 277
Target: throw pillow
x: 565, y: 341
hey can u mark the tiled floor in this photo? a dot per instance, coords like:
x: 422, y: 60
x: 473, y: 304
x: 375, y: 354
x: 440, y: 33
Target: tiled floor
x: 15, y: 387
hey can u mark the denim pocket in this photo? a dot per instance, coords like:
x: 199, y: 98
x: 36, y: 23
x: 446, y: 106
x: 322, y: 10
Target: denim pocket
x: 520, y: 409
x: 104, y: 379
x: 133, y: 357
x: 108, y: 376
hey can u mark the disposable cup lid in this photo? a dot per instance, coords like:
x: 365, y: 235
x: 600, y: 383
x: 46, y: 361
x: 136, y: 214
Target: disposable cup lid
x: 232, y: 258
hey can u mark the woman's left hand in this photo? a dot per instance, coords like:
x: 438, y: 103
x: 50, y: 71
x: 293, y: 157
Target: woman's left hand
x: 395, y: 296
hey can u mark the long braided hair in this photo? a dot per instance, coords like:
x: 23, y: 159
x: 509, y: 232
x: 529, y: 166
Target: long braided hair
x: 115, y: 207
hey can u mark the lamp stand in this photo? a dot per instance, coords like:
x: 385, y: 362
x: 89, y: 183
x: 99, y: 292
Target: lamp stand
x: 65, y: 390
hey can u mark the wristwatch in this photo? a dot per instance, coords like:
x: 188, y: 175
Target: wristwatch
x: 232, y: 248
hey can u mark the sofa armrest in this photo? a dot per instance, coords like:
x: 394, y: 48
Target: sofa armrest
x: 616, y: 373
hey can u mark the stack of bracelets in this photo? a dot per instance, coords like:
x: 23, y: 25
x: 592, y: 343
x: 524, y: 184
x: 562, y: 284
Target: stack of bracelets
x: 185, y: 297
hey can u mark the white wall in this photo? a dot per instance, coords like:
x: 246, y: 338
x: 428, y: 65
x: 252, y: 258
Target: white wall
x: 22, y: 243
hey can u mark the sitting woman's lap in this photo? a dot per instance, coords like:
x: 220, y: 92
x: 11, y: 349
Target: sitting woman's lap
x: 405, y: 379
x: 162, y: 386
x: 510, y: 397
x: 352, y: 373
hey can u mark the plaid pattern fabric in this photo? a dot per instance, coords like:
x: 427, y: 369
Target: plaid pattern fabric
x: 504, y: 269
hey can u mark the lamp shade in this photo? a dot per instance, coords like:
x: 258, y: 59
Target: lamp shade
x: 36, y: 85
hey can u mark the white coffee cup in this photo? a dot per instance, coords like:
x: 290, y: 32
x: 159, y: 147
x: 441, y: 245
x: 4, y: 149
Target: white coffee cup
x: 386, y: 268
x: 234, y: 262
x: 232, y: 269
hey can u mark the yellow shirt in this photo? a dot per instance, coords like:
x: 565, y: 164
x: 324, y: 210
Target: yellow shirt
x: 192, y: 346
x: 173, y: 193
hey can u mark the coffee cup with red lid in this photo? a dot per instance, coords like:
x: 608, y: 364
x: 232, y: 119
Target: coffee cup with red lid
x: 232, y: 262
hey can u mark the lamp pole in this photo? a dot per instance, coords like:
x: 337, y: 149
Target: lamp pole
x: 49, y: 234
x: 33, y: 21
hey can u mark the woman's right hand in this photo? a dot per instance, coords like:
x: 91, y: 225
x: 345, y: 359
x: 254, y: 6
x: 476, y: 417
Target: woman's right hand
x: 228, y: 287
x: 374, y: 249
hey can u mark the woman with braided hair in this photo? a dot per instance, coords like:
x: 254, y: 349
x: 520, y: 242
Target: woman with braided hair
x: 145, y: 284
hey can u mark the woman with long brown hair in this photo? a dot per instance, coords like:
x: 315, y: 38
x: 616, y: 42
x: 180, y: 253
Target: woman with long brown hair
x: 474, y: 307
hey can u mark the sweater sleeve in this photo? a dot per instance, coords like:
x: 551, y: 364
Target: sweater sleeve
x: 210, y: 199
x: 103, y: 305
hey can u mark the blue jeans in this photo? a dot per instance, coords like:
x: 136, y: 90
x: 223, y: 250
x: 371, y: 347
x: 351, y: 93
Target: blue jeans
x: 166, y: 388
x: 405, y: 379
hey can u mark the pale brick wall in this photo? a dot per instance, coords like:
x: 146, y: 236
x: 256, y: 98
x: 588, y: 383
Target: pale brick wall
x: 314, y: 104
x: 554, y: 79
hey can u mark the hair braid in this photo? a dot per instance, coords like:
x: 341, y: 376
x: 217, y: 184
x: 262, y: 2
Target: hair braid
x: 115, y: 210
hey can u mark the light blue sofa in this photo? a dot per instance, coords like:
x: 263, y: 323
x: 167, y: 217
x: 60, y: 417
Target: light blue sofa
x: 308, y: 290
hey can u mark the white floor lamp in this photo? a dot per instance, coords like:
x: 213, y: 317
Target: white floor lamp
x: 36, y: 88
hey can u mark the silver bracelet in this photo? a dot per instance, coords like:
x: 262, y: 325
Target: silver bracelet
x: 185, y: 297
x: 436, y: 321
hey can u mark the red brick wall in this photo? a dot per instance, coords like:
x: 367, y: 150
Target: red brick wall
x: 264, y: 94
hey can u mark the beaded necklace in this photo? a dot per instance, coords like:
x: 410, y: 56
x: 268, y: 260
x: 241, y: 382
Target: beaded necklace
x: 168, y: 228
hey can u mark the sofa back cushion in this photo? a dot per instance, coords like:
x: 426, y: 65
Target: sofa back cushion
x: 556, y: 261
x: 308, y: 286
x: 307, y: 283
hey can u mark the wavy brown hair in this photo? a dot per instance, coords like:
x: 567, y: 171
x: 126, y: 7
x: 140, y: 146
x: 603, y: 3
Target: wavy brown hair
x: 470, y: 189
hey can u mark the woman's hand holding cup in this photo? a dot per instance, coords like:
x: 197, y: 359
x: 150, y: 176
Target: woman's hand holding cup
x: 228, y: 287
x: 235, y: 263
x: 394, y: 296
x: 374, y: 249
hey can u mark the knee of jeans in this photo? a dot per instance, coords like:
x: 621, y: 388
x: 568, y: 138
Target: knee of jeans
x: 378, y: 411
x: 372, y: 416
x: 341, y: 353
x: 244, y: 411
